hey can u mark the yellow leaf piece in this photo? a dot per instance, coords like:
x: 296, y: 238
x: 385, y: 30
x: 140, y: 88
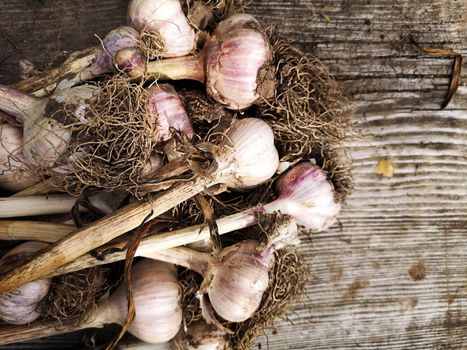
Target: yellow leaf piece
x: 385, y: 167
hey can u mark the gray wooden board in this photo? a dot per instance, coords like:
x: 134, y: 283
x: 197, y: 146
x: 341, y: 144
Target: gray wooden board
x: 361, y: 293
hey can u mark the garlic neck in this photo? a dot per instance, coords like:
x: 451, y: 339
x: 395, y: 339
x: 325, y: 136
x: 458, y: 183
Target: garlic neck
x: 188, y: 67
x: 106, y: 313
x: 21, y: 105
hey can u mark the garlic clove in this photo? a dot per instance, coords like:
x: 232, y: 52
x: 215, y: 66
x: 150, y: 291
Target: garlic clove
x: 154, y: 162
x: 132, y: 61
x: 45, y: 140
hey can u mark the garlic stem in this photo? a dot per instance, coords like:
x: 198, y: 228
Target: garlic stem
x: 44, y: 83
x: 33, y: 230
x: 102, y: 231
x: 14, y: 334
x: 41, y: 188
x: 182, y: 256
x: 36, y: 205
x: 246, y: 160
x: 149, y: 245
x: 188, y: 67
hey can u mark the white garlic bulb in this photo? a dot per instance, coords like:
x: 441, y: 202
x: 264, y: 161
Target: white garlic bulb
x: 166, y: 19
x: 167, y: 112
x: 248, y: 156
x: 306, y: 194
x: 234, y: 60
x: 156, y: 293
x: 239, y: 281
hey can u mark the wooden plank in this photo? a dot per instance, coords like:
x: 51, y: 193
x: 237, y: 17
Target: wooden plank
x: 368, y: 289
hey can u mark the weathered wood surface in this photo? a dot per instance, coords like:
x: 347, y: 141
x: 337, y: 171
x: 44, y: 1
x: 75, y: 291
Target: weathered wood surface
x: 393, y: 273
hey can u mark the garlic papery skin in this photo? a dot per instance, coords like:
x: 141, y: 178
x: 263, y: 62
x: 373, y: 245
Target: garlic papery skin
x: 247, y: 156
x: 233, y: 64
x: 306, y: 194
x: 167, y: 112
x: 240, y: 277
x: 76, y: 99
x: 117, y: 39
x: 20, y: 306
x: 14, y: 175
x: 239, y: 20
x: 165, y: 19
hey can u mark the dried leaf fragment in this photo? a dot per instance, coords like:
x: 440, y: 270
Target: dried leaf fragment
x: 385, y: 167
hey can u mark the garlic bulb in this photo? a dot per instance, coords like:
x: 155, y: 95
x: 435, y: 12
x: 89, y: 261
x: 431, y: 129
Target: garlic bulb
x: 157, y: 297
x: 44, y: 138
x: 168, y: 112
x: 239, y: 20
x: 166, y: 20
x: 20, y: 306
x: 239, y: 279
x: 234, y: 61
x: 306, y: 194
x: 14, y: 175
x: 131, y: 61
x: 117, y: 39
x: 156, y: 293
x: 253, y: 158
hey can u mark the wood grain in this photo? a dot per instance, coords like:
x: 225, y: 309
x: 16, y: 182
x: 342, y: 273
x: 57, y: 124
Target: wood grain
x: 361, y: 294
